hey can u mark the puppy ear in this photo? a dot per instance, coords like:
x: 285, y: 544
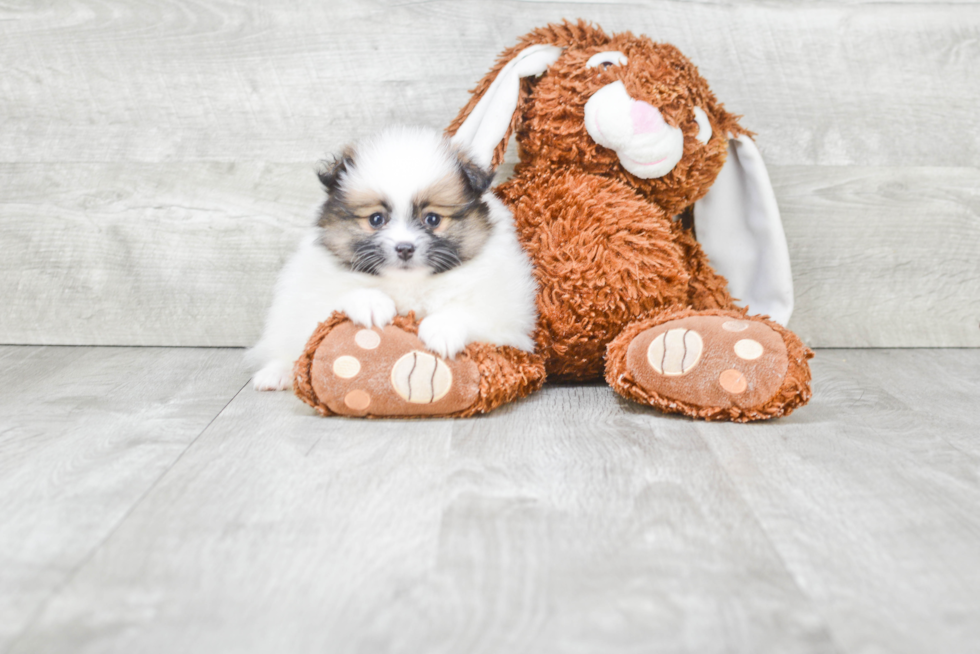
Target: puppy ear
x: 331, y: 171
x: 739, y: 228
x: 477, y: 177
x: 485, y: 124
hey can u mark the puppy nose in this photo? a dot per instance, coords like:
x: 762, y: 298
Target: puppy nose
x: 646, y: 118
x: 405, y: 251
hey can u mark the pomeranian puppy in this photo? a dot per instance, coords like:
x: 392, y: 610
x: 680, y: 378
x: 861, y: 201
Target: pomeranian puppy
x: 409, y: 224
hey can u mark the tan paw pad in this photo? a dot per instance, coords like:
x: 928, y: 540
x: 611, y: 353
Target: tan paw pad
x: 734, y: 325
x: 420, y: 378
x: 748, y: 349
x: 357, y: 400
x: 733, y: 381
x: 346, y: 367
x: 367, y: 339
x: 675, y: 352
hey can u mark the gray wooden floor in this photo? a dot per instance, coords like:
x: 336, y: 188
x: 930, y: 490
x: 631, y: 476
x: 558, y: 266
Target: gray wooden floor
x: 152, y: 502
x: 156, y: 169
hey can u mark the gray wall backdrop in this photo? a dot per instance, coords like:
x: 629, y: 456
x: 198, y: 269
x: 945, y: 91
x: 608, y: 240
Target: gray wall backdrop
x: 157, y: 156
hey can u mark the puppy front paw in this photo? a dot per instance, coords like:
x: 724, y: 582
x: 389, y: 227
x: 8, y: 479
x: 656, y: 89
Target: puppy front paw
x: 444, y: 334
x: 368, y: 307
x: 276, y: 376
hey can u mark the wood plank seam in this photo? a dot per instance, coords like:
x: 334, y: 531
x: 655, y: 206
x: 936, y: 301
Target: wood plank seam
x: 66, y: 581
x: 760, y: 525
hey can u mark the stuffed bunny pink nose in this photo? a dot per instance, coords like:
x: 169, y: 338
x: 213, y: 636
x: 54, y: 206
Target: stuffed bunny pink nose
x: 646, y: 118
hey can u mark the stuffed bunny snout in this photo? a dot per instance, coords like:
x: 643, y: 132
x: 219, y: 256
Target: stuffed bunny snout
x: 646, y: 145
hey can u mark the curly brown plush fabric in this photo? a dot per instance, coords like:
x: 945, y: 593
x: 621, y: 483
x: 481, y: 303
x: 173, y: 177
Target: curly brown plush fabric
x: 610, y: 258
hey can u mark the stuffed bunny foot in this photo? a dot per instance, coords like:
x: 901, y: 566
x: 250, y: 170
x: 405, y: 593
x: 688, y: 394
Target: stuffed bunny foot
x: 714, y: 365
x: 350, y: 370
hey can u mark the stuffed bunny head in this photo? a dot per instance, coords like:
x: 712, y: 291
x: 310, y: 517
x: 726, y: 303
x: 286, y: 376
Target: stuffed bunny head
x: 621, y: 105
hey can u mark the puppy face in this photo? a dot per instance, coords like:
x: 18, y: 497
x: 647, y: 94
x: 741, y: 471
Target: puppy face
x: 404, y: 201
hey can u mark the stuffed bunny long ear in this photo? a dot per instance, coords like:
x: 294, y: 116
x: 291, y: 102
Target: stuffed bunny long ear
x: 739, y: 228
x: 489, y: 122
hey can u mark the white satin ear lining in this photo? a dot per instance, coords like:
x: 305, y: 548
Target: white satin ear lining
x: 739, y: 228
x: 487, y: 124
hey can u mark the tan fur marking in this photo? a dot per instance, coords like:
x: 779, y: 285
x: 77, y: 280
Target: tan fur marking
x: 443, y: 226
x: 364, y: 226
x: 445, y: 197
x: 362, y: 197
x: 366, y: 211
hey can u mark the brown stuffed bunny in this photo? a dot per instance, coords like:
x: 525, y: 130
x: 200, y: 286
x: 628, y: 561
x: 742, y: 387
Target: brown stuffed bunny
x: 618, y: 137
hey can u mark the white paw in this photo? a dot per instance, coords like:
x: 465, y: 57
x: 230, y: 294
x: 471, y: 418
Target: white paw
x: 443, y: 334
x: 276, y: 376
x: 368, y: 307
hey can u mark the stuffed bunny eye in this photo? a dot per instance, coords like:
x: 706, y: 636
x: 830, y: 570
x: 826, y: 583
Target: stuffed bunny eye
x: 606, y: 59
x: 704, y: 125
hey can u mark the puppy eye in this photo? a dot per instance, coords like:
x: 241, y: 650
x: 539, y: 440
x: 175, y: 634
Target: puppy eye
x: 606, y: 59
x: 376, y: 220
x: 432, y: 220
